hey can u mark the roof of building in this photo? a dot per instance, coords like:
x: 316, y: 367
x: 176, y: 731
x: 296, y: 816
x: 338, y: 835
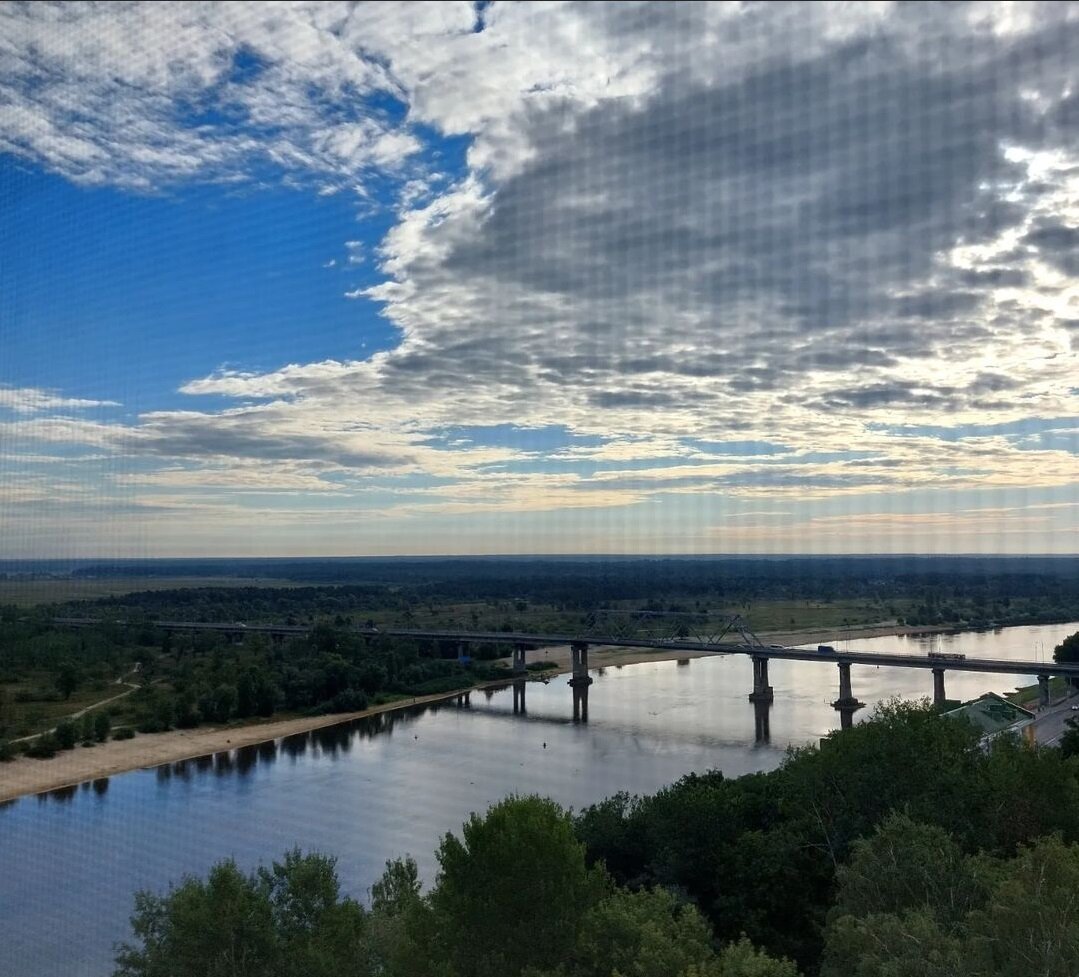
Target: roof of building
x: 992, y: 713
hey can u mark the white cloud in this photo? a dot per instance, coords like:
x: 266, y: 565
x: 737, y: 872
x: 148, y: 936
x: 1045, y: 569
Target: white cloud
x: 802, y: 224
x: 34, y: 400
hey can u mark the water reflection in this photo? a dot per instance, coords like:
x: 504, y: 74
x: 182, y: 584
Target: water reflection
x: 580, y: 701
x: 762, y: 727
x: 62, y: 795
x: 246, y: 759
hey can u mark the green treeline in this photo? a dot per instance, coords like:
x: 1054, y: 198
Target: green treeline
x: 901, y: 848
x: 183, y: 680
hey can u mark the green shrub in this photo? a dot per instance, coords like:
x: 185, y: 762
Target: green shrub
x: 123, y: 733
x: 67, y: 735
x: 43, y: 748
x: 7, y: 751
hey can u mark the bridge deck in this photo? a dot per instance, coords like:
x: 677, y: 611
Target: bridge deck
x: 996, y: 665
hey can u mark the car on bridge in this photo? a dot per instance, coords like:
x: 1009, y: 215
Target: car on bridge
x: 825, y: 650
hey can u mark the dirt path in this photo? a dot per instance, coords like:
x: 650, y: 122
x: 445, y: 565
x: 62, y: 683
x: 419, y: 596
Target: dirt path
x: 131, y: 687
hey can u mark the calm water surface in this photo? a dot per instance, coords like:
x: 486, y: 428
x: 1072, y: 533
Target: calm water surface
x: 71, y: 860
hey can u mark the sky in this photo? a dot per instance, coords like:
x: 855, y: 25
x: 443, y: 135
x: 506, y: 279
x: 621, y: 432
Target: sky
x: 395, y: 278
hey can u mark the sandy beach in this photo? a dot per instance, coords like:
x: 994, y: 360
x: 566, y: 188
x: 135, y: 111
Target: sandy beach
x: 28, y: 776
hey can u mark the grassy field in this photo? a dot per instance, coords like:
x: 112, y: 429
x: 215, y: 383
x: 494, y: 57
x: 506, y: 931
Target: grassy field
x: 762, y: 616
x: 46, y: 707
x: 26, y: 593
x: 1028, y: 694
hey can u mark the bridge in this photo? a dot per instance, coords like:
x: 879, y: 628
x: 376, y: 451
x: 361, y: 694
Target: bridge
x: 711, y: 644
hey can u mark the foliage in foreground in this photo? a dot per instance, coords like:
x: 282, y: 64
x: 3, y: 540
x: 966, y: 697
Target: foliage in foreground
x: 901, y: 848
x: 514, y: 896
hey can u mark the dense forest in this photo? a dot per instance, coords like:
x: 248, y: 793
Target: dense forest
x: 933, y: 590
x: 904, y: 847
x: 182, y: 680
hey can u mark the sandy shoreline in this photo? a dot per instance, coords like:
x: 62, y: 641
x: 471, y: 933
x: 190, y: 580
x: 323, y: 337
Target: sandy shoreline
x: 71, y: 767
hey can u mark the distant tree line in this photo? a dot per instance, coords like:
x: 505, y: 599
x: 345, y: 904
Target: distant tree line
x: 1048, y: 586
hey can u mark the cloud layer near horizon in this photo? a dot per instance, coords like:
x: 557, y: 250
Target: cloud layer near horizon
x: 683, y: 231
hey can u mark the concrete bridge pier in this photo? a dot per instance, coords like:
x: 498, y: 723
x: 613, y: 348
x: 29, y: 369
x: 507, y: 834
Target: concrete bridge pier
x: 519, y: 707
x: 939, y: 698
x: 580, y: 703
x: 579, y: 658
x: 519, y: 660
x: 762, y: 732
x: 846, y: 700
x: 1044, y: 696
x: 762, y: 691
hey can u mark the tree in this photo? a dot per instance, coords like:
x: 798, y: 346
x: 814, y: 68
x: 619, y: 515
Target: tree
x: 401, y: 924
x: 521, y: 863
x: 398, y: 888
x: 224, y: 703
x: 265, y: 695
x: 245, y: 693
x: 102, y: 726
x: 1068, y: 649
x: 887, y: 945
x: 285, y: 921
x: 742, y: 959
x: 1069, y: 742
x: 641, y: 934
x: 1031, y: 923
x: 906, y: 866
x: 67, y: 679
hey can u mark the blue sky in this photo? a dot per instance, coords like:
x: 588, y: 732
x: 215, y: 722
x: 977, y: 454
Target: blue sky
x: 329, y: 280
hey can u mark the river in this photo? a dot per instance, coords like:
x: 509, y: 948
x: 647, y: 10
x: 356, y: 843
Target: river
x: 71, y: 860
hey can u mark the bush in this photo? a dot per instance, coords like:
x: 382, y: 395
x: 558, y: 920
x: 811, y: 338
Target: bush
x: 102, y: 725
x: 449, y: 683
x: 7, y: 751
x: 349, y: 700
x: 123, y: 733
x: 67, y: 735
x: 43, y: 748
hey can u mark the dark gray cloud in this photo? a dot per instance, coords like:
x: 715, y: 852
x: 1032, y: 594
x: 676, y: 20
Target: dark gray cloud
x: 1058, y: 244
x: 793, y: 217
x: 248, y: 437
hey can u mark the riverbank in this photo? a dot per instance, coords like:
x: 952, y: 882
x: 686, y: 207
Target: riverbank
x: 69, y: 768
x: 25, y: 776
